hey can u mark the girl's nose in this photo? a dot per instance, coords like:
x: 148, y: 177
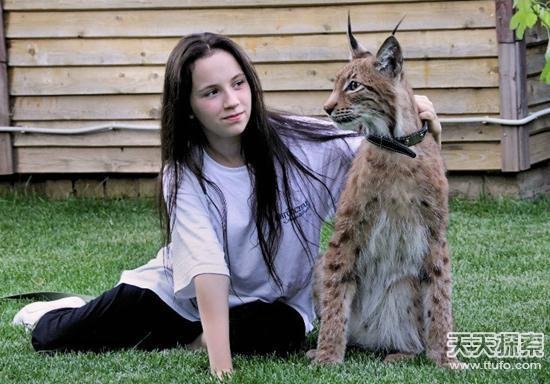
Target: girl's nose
x: 231, y: 100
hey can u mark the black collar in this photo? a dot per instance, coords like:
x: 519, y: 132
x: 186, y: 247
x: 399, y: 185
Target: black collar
x: 400, y: 144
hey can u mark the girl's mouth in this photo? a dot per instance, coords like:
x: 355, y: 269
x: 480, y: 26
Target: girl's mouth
x: 233, y: 117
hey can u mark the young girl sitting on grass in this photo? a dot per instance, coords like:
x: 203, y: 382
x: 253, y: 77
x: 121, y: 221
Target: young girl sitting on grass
x: 246, y: 192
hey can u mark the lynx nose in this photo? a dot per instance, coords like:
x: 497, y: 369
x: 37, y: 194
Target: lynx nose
x: 329, y: 107
x: 331, y: 102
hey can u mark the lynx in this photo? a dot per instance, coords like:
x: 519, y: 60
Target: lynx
x: 384, y: 283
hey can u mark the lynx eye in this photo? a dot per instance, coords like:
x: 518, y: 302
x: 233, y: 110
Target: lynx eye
x: 353, y: 86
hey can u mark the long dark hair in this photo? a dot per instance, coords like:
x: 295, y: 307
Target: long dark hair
x: 263, y: 146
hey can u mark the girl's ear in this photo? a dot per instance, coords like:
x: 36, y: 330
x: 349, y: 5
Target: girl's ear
x: 356, y: 49
x: 389, y: 58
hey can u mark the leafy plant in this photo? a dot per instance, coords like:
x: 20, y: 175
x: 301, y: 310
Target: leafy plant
x: 528, y: 13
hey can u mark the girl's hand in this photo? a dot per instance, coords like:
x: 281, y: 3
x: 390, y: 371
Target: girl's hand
x: 426, y: 111
x: 222, y: 374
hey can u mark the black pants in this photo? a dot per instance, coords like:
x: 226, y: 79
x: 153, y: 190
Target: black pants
x: 131, y: 317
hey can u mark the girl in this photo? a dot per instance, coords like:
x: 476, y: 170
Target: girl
x: 246, y: 191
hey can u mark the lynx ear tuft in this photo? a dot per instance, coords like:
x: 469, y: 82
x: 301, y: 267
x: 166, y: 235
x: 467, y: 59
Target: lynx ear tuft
x: 389, y: 58
x: 398, y: 24
x: 357, y: 50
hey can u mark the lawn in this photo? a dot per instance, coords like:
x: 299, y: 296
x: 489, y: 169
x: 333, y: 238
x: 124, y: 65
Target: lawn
x: 500, y: 255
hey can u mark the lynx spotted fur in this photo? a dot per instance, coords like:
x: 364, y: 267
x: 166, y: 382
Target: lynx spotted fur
x: 384, y: 283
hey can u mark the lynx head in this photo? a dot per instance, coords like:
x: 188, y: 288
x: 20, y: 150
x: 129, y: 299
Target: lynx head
x: 370, y: 93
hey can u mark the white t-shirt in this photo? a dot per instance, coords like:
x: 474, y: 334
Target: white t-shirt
x: 197, y: 237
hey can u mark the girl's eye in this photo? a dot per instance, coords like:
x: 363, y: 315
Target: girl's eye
x: 352, y: 86
x: 240, y: 83
x: 210, y: 92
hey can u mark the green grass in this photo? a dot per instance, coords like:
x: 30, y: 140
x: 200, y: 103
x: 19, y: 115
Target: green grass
x: 501, y: 268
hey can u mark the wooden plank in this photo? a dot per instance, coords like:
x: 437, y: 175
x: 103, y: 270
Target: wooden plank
x: 428, y: 44
x: 6, y: 155
x: 472, y: 156
x: 515, y: 148
x: 470, y: 132
x: 458, y: 115
x: 86, y: 80
x: 458, y: 157
x: 512, y: 80
x: 535, y: 59
x: 110, y: 107
x: 542, y: 124
x: 537, y: 91
x: 61, y: 124
x: 538, y: 147
x: 451, y: 134
x: 539, y: 107
x: 102, y: 139
x: 251, y: 21
x: 155, y: 122
x: 113, y: 107
x: 513, y: 101
x: 536, y: 35
x: 503, y: 12
x: 41, y: 5
x: 4, y: 92
x: 513, y: 105
x: 274, y: 77
x: 55, y: 52
x: 446, y: 101
x: 87, y: 160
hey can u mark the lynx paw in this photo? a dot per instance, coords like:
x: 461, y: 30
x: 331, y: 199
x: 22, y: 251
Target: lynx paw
x: 311, y: 354
x: 322, y: 357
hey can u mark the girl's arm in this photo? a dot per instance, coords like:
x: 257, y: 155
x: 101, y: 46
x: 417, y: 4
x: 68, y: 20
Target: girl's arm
x: 212, y: 297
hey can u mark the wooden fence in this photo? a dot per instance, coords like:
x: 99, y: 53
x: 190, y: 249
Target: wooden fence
x: 83, y: 63
x: 538, y: 96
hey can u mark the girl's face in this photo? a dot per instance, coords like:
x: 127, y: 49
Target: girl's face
x: 220, y: 96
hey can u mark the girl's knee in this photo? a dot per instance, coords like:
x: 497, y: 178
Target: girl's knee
x: 44, y: 336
